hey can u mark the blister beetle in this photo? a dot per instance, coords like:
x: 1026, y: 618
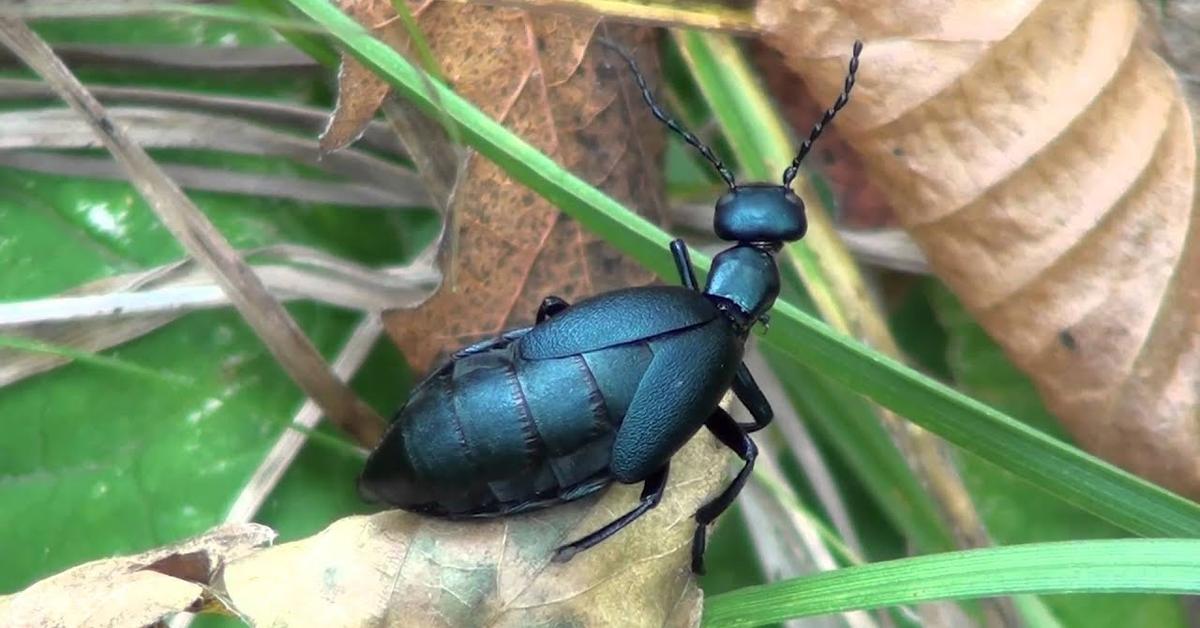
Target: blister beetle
x: 607, y: 389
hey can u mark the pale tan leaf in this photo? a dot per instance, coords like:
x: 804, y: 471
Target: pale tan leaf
x: 1042, y: 156
x: 396, y: 568
x: 133, y: 591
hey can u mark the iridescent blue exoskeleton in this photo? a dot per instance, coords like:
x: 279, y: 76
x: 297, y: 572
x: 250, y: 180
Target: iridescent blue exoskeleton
x: 606, y: 389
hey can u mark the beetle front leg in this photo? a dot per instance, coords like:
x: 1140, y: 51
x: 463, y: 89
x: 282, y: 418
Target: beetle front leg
x: 683, y: 263
x: 752, y: 397
x: 652, y: 492
x: 734, y: 437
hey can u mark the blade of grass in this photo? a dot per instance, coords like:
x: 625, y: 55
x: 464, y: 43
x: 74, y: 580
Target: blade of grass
x: 1109, y: 566
x: 94, y: 359
x: 848, y: 423
x: 271, y: 11
x: 1090, y: 483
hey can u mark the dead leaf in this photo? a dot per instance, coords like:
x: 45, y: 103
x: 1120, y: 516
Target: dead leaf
x: 360, y: 92
x: 399, y: 569
x: 1043, y: 158
x: 537, y: 75
x: 136, y: 590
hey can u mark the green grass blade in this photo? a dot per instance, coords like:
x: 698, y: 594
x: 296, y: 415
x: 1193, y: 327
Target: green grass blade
x: 94, y: 359
x: 1050, y: 464
x: 273, y: 11
x: 1094, y: 485
x: 1111, y: 566
x: 851, y: 426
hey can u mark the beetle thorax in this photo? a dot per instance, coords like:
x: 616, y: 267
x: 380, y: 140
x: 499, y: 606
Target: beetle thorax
x: 746, y: 280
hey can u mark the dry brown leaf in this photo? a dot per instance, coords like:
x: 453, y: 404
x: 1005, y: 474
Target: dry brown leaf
x: 535, y: 74
x: 1044, y: 159
x: 134, y: 591
x: 400, y: 569
x: 360, y: 92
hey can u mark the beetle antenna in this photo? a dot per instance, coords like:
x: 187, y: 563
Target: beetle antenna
x: 819, y: 127
x: 665, y: 119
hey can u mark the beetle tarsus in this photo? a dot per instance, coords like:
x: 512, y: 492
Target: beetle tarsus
x: 564, y: 554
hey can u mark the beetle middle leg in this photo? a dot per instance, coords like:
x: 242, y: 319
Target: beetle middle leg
x: 652, y: 492
x: 752, y: 397
x: 734, y: 437
x: 550, y: 306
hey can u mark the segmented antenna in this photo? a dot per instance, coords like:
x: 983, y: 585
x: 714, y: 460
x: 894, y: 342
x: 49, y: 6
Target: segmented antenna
x: 841, y: 101
x: 665, y: 119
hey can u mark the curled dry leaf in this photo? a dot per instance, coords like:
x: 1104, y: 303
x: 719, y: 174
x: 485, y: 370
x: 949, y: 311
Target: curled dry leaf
x: 399, y: 569
x: 134, y: 591
x: 360, y: 91
x: 1043, y: 158
x: 537, y: 75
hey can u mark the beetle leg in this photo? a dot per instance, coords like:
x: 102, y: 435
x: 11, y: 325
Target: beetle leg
x: 732, y: 436
x: 752, y: 397
x: 652, y: 492
x: 550, y: 306
x: 683, y: 264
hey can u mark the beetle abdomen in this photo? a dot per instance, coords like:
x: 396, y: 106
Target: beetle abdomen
x: 495, y: 433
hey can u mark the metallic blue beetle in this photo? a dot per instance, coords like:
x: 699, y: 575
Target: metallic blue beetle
x: 606, y: 389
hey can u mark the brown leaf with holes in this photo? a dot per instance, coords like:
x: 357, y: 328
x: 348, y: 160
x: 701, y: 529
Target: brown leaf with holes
x: 1043, y: 157
x: 134, y: 591
x: 360, y: 92
x: 539, y: 76
x: 399, y: 569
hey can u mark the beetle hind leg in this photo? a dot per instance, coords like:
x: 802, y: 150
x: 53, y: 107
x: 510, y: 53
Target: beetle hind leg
x: 652, y: 492
x: 734, y: 437
x: 550, y: 306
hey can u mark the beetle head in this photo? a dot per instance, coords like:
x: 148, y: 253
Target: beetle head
x: 760, y: 212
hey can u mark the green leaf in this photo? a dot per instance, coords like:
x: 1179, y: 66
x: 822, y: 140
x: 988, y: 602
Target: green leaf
x: 1067, y: 472
x: 100, y: 461
x: 1129, y: 566
x: 100, y: 361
